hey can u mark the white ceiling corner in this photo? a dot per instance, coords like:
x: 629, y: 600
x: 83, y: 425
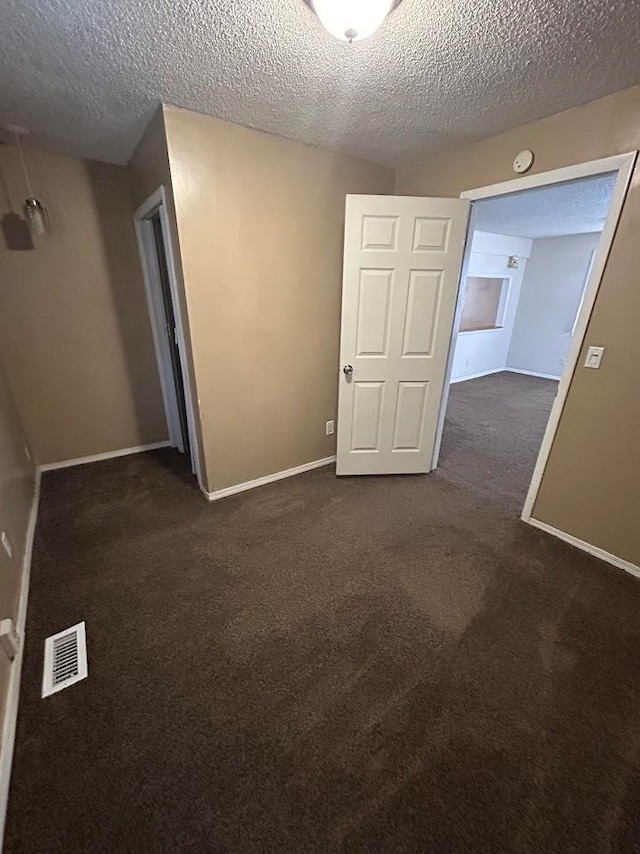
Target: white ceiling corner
x: 86, y: 75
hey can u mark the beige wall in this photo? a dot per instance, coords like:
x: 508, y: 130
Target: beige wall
x: 260, y: 221
x: 591, y: 487
x: 74, y: 325
x: 16, y: 495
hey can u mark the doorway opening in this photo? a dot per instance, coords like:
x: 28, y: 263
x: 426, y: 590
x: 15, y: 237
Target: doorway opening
x: 535, y: 253
x: 158, y: 266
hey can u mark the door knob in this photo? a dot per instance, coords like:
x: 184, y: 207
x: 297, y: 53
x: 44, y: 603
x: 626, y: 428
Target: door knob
x: 348, y: 370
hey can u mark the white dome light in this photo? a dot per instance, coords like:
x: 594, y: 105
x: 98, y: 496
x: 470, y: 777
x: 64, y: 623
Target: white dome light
x: 352, y: 20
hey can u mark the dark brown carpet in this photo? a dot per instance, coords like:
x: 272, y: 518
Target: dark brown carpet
x: 362, y: 665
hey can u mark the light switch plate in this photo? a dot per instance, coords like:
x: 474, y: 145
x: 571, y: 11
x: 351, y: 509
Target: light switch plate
x: 594, y: 357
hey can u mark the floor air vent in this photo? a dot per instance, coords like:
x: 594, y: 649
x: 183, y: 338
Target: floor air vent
x: 65, y: 659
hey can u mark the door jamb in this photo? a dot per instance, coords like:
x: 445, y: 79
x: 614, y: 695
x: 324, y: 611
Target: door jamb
x: 624, y: 165
x: 156, y: 203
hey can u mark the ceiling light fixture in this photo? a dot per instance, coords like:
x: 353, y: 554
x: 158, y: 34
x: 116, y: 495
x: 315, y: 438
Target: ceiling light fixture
x: 352, y: 20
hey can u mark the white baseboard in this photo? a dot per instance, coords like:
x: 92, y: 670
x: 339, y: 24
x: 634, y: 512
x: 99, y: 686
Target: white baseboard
x: 586, y: 547
x: 109, y: 455
x: 477, y: 376
x: 261, y: 481
x: 13, y: 692
x: 532, y: 374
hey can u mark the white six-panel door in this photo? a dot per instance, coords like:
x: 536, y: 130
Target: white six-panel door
x: 402, y: 260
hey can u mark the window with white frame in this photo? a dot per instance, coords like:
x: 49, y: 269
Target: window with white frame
x: 485, y: 302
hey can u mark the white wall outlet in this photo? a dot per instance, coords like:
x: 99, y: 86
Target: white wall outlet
x: 9, y: 639
x: 6, y: 544
x: 330, y: 428
x: 594, y: 357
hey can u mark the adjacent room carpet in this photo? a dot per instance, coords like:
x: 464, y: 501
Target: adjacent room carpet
x: 382, y: 664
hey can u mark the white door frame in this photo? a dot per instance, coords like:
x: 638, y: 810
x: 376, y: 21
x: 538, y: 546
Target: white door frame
x: 156, y: 204
x: 624, y: 165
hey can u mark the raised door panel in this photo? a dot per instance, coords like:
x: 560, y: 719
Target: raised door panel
x: 423, y: 301
x: 431, y: 234
x: 379, y: 233
x: 367, y: 416
x: 374, y: 300
x: 411, y: 407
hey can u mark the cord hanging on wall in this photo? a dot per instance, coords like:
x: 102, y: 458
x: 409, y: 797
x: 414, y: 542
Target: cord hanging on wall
x: 35, y: 212
x: 15, y: 230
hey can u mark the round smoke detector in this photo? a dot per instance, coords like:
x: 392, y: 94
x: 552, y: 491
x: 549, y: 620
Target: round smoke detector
x: 523, y: 161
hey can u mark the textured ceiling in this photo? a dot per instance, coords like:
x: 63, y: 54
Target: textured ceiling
x: 572, y: 208
x: 86, y: 75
